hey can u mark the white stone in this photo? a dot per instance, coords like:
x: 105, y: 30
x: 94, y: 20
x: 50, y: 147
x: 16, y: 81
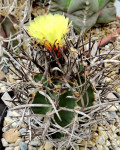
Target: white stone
x: 4, y: 129
x: 3, y: 87
x: 101, y: 140
x: 23, y: 131
x: 107, y: 47
x: 90, y: 143
x: 102, y: 132
x: 118, y: 90
x: 9, y: 148
x: 17, y: 148
x: 13, y: 114
x: 4, y: 142
x: 94, y: 127
x: 14, y: 124
x: 112, y: 136
x: 118, y: 142
x: 6, y: 98
x: 113, y: 109
x: 108, y: 143
x: 99, y: 147
x: 9, y: 120
x: 113, y: 128
x: 108, y: 79
x: 35, y: 142
x: 111, y: 96
x: 113, y: 142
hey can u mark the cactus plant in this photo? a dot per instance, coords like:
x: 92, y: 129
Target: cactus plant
x: 59, y: 89
x: 85, y: 13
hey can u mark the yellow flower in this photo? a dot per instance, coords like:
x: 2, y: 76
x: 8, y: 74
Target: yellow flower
x: 49, y: 29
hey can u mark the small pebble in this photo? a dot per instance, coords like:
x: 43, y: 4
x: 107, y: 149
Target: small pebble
x: 99, y: 147
x: 112, y: 109
x: 35, y: 142
x: 11, y: 78
x: 112, y: 136
x: 94, y: 148
x: 17, y: 148
x: 108, y: 143
x: 102, y: 132
x: 113, y: 128
x: 118, y: 143
x: 14, y: 124
x: 94, y: 127
x: 9, y: 148
x: 48, y: 145
x: 23, y: 146
x: 118, y: 39
x: 13, y: 114
x: 2, y: 76
x: 118, y: 90
x: 8, y: 120
x: 23, y: 131
x: 112, y: 115
x: 5, y: 97
x: 107, y: 47
x: 90, y: 144
x: 5, y: 69
x: 4, y: 129
x: 111, y: 96
x: 114, y: 147
x: 113, y: 142
x: 2, y: 88
x: 101, y: 140
x: 11, y: 135
x: 4, y: 142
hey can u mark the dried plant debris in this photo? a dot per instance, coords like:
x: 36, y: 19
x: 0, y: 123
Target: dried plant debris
x: 60, y: 93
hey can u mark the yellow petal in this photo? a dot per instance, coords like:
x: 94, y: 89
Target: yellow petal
x: 49, y: 28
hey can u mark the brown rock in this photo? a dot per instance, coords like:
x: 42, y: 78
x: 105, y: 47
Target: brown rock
x: 102, y: 132
x: 48, y: 145
x: 2, y: 76
x: 11, y: 135
x: 119, y: 132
